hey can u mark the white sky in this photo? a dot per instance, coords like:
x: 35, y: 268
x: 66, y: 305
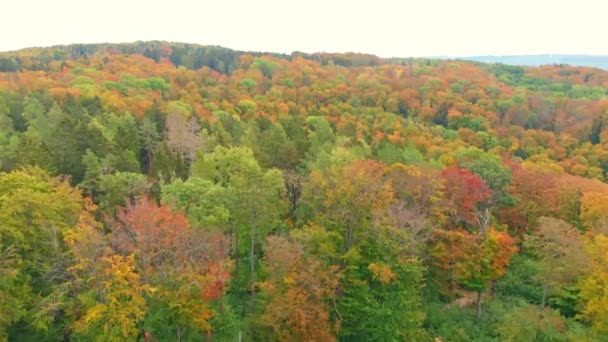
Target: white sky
x: 383, y: 27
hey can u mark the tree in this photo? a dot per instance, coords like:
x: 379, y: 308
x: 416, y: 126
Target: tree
x: 419, y: 205
x: 472, y: 260
x: 203, y: 201
x: 350, y: 199
x: 31, y: 150
x: 593, y: 207
x: 536, y: 188
x: 486, y: 260
x: 558, y: 247
x: 120, y: 188
x: 166, y: 165
x: 594, y: 286
x: 150, y: 140
x: 67, y: 141
x: 126, y: 136
x: 382, y: 290
x: 182, y: 131
x: 467, y: 193
x: 491, y: 170
x: 254, y: 198
x: 320, y: 135
x: 188, y: 268
x: 6, y: 122
x: 12, y: 292
x: 92, y: 173
x: 116, y: 313
x: 35, y: 211
x: 390, y: 153
x: 299, y: 290
x: 531, y: 323
x: 271, y: 146
x: 34, y: 114
x: 380, y: 274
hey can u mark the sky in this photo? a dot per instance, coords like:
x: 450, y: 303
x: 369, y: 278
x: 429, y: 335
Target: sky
x: 387, y: 28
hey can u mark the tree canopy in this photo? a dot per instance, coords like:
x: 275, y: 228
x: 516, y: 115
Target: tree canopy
x: 163, y: 191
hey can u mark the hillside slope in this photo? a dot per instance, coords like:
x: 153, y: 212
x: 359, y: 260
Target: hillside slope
x: 169, y: 191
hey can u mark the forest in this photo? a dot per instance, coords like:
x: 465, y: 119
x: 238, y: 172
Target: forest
x: 158, y: 191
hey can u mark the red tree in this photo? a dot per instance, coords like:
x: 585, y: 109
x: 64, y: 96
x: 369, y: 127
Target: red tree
x: 465, y: 191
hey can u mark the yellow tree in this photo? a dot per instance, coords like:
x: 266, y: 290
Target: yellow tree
x: 352, y: 199
x: 594, y: 210
x: 120, y: 303
x: 594, y: 287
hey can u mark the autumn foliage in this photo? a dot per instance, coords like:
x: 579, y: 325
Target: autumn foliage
x: 174, y: 192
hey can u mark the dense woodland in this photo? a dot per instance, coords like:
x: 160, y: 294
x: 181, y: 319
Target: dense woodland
x: 172, y: 192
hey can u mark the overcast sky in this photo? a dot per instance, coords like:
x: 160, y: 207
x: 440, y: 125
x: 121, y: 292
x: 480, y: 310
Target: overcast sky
x: 382, y: 27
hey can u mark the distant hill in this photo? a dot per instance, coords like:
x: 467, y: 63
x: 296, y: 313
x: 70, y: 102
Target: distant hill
x: 224, y: 60
x: 536, y: 60
x: 190, y: 56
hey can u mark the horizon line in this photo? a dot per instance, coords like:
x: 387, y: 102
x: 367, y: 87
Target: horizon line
x: 434, y: 56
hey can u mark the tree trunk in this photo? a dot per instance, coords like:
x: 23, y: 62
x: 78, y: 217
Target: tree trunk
x: 483, y: 220
x: 180, y: 333
x: 478, y: 305
x: 543, y: 302
x: 252, y: 267
x: 149, y: 162
x: 349, y: 239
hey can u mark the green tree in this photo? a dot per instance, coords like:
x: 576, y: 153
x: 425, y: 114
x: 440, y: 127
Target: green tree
x: 35, y: 211
x: 531, y: 323
x: 121, y: 188
x: 381, y: 280
x: 254, y: 199
x: 126, y: 141
x: 150, y: 140
x: 67, y: 141
x: 559, y: 250
x: 92, y: 174
x: 31, y: 150
x: 202, y: 200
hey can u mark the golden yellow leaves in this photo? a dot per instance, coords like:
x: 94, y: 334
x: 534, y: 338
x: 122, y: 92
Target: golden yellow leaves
x: 122, y: 304
x: 594, y: 288
x: 594, y: 209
